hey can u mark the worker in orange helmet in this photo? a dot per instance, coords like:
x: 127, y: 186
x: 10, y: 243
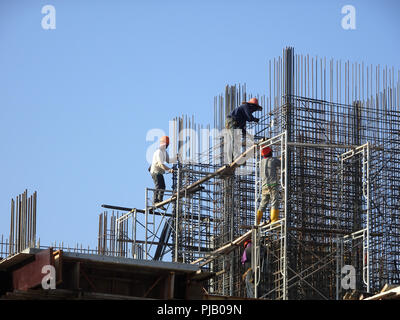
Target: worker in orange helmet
x: 269, y: 175
x: 158, y: 168
x: 237, y: 120
x: 244, y: 113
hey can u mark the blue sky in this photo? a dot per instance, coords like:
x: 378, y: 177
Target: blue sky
x: 77, y: 102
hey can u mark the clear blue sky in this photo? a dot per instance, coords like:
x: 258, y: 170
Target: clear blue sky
x: 77, y: 102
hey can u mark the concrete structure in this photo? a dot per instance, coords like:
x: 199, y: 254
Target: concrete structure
x: 90, y: 276
x: 336, y: 128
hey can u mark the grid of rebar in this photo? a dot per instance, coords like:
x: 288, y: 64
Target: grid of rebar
x: 325, y: 201
x: 227, y: 200
x: 196, y: 220
x: 22, y: 225
x: 328, y: 107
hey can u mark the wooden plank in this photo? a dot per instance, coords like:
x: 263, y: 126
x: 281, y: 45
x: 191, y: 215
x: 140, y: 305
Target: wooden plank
x: 224, y: 249
x: 390, y: 294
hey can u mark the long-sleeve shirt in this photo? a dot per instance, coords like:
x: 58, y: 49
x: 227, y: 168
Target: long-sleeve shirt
x: 269, y: 171
x: 243, y: 113
x: 160, y: 156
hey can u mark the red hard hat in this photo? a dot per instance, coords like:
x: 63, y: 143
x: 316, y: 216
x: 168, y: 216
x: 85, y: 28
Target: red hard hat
x: 246, y: 243
x: 266, y: 151
x: 164, y: 140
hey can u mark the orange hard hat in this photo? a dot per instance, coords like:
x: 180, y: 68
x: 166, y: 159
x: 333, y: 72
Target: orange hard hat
x: 164, y: 140
x: 266, y: 151
x: 253, y: 100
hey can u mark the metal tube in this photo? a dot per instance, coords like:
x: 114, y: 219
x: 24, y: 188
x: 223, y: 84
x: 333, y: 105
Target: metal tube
x: 177, y: 213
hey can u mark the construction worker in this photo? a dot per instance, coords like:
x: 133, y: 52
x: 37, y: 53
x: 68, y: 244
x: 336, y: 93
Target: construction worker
x: 158, y: 168
x: 244, y: 113
x: 269, y: 176
x: 237, y: 120
x: 248, y: 274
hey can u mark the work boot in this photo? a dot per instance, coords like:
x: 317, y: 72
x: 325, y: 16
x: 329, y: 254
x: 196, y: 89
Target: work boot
x: 274, y: 215
x: 259, y: 216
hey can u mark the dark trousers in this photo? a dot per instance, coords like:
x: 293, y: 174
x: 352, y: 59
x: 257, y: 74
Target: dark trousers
x: 159, y: 184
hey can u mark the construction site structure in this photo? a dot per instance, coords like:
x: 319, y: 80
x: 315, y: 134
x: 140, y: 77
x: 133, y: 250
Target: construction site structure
x: 336, y: 129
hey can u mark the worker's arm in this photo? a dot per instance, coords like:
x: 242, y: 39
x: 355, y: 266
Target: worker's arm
x: 170, y: 170
x: 249, y: 115
x: 161, y: 158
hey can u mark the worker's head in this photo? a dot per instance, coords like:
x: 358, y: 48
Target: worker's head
x: 246, y: 243
x: 164, y: 141
x: 254, y: 101
x: 266, y: 152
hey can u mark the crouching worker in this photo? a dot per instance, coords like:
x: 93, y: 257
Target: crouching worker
x: 270, y: 193
x: 158, y: 168
x: 237, y: 120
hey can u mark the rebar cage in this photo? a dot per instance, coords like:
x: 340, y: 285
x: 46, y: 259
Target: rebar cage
x: 342, y: 203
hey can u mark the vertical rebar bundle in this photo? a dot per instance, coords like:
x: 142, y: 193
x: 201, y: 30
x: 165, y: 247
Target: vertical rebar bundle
x: 341, y: 110
x: 116, y: 235
x: 23, y: 222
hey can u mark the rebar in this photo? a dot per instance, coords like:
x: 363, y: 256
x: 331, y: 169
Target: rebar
x: 326, y: 108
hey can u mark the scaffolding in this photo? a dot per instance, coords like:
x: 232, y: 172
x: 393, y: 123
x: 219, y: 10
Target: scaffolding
x: 336, y: 128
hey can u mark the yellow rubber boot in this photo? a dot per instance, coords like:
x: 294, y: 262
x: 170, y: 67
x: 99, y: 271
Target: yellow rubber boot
x: 274, y: 215
x: 259, y: 216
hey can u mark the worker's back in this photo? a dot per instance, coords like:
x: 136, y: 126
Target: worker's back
x: 243, y: 113
x: 269, y: 171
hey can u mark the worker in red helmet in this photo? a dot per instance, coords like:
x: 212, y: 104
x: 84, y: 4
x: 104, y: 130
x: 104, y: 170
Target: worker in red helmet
x: 158, y: 168
x: 269, y: 177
